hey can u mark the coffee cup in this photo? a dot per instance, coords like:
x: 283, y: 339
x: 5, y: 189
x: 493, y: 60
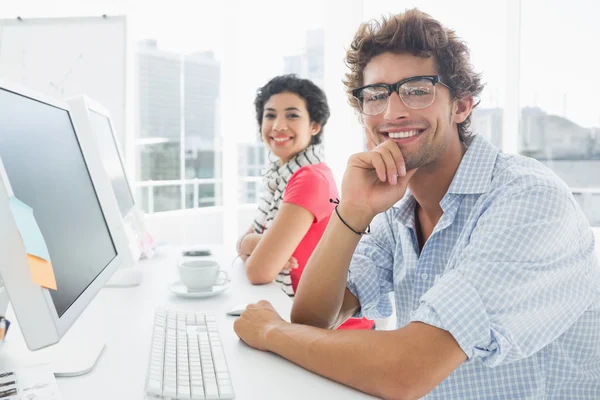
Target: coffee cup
x: 199, y: 275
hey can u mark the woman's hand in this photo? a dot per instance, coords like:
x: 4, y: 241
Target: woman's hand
x: 248, y: 243
x: 291, y: 264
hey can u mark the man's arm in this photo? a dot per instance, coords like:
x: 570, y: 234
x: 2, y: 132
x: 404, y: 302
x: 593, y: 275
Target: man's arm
x: 403, y: 364
x: 371, y: 185
x: 322, y: 299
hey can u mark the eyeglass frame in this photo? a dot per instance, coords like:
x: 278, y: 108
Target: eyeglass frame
x: 395, y: 87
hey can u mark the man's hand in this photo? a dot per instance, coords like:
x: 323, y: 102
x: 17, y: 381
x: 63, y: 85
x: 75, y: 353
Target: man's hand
x: 373, y: 182
x: 254, y: 324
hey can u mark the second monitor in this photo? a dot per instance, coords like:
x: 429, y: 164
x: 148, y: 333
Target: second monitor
x: 94, y: 120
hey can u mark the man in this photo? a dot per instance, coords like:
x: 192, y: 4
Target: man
x: 490, y: 259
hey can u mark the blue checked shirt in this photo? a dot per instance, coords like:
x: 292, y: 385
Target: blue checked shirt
x: 509, y: 271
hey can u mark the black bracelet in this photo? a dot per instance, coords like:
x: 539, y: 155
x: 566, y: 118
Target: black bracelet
x: 337, y: 202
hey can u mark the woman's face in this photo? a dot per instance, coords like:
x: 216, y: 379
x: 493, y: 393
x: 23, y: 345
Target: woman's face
x: 286, y: 125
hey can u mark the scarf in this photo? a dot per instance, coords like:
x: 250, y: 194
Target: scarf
x: 275, y: 181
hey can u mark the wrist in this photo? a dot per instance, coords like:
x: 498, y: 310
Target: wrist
x: 270, y: 335
x: 358, y: 218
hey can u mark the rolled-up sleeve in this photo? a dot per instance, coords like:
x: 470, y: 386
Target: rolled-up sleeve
x: 526, y: 275
x: 370, y: 274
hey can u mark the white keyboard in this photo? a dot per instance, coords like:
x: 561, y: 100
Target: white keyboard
x: 186, y: 358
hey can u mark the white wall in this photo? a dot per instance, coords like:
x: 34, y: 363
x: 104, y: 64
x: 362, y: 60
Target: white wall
x: 187, y: 227
x: 88, y: 57
x: 198, y: 226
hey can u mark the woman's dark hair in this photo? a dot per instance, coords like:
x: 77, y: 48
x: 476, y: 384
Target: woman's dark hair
x: 316, y: 101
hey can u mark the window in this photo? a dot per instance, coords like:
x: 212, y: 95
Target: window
x: 281, y: 44
x: 251, y: 195
x: 165, y: 198
x: 560, y: 113
x: 250, y: 170
x: 178, y: 96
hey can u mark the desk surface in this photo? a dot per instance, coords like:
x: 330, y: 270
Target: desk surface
x: 125, y: 317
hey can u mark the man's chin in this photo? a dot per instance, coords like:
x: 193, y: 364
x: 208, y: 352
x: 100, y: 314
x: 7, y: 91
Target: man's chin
x: 411, y: 162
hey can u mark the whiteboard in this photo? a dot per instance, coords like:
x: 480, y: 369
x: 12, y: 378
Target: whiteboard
x: 63, y: 57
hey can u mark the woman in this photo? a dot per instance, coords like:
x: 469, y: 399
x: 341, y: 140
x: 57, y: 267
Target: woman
x: 294, y: 209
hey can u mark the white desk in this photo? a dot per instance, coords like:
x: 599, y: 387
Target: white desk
x: 127, y: 315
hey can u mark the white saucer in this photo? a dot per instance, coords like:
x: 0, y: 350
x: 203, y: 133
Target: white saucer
x: 180, y: 289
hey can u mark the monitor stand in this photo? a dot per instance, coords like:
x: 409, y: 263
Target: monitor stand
x: 74, y: 355
x: 125, y: 277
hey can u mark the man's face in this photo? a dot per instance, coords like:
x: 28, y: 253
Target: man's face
x: 430, y: 129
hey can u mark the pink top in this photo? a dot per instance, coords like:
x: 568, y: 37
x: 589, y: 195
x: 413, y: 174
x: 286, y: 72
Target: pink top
x: 311, y: 187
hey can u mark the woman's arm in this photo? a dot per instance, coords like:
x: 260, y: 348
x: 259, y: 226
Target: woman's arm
x: 240, y: 242
x: 247, y: 242
x: 278, y: 243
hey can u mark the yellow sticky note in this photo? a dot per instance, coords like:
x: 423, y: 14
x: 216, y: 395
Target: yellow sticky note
x: 41, y: 272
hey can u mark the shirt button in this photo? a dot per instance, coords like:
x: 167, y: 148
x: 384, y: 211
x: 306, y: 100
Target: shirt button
x: 424, y: 276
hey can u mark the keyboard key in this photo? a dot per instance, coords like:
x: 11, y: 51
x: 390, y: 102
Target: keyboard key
x: 183, y: 392
x: 170, y: 382
x: 211, y: 390
x: 197, y: 382
x: 226, y: 392
x: 170, y: 390
x: 154, y: 386
x: 224, y: 382
x: 198, y: 392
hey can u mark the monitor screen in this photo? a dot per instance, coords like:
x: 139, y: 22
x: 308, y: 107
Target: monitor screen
x: 109, y: 153
x: 47, y: 171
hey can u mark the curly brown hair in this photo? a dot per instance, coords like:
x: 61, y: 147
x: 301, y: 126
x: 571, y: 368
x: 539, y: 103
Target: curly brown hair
x: 417, y: 33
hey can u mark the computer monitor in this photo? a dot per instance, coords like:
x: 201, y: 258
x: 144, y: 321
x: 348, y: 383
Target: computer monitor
x: 42, y: 164
x: 94, y: 122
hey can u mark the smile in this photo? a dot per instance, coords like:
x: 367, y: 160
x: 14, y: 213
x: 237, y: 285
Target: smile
x: 280, y: 140
x: 403, y: 135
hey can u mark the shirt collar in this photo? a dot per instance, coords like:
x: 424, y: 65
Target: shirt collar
x: 474, y: 174
x: 405, y: 209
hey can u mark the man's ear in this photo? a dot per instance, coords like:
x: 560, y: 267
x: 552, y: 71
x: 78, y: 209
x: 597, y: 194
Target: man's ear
x: 462, y: 109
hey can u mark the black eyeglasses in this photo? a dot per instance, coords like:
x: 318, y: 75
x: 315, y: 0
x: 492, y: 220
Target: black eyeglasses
x: 416, y: 92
